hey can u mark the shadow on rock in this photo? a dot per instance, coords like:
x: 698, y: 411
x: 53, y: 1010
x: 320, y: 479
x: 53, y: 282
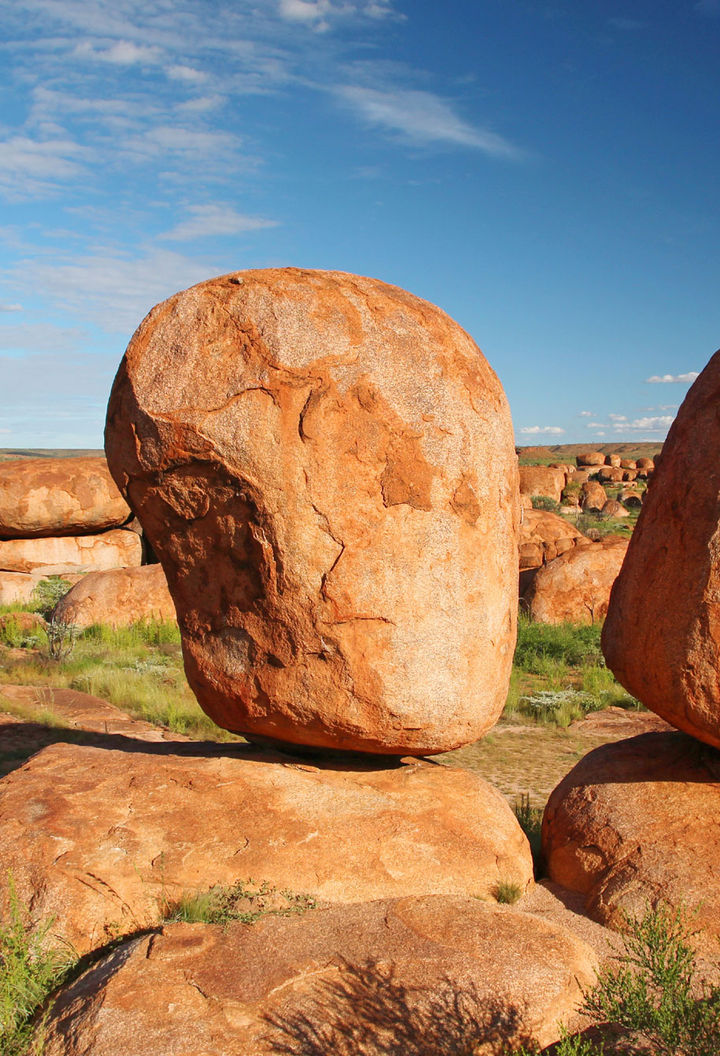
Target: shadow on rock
x: 365, y: 1012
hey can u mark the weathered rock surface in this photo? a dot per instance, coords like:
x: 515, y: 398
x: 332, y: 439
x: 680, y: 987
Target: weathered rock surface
x: 542, y: 480
x: 576, y: 585
x: 613, y: 460
x: 71, y: 553
x: 610, y: 474
x: 634, y: 823
x: 58, y: 496
x: 592, y: 495
x: 318, y: 460
x: 98, y: 838
x: 631, y: 498
x: 16, y: 587
x: 420, y: 975
x: 590, y: 458
x: 118, y: 597
x: 615, y: 509
x: 662, y: 635
x: 543, y: 536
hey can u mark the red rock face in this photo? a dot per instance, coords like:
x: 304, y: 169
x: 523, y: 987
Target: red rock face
x: 324, y: 465
x: 413, y: 975
x: 634, y: 824
x: 662, y: 635
x: 58, y: 496
x: 118, y: 597
x: 576, y: 586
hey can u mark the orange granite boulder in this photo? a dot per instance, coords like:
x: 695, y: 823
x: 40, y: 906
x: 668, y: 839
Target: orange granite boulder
x: 118, y: 597
x: 318, y: 460
x: 576, y: 586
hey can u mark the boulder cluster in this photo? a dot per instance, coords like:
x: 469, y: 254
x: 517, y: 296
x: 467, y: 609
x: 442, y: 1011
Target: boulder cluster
x: 324, y: 465
x: 65, y: 517
x: 634, y: 823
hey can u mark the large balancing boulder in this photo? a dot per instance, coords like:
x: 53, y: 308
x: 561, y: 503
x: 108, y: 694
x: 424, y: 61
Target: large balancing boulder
x: 324, y: 465
x: 662, y: 634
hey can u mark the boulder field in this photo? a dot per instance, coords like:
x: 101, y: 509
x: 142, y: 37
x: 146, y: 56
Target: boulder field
x: 318, y: 459
x: 662, y: 634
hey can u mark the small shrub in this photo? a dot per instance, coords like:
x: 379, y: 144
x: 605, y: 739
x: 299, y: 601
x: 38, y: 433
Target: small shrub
x: 573, y: 644
x: 61, y: 638
x: 244, y: 902
x: 30, y: 970
x: 507, y: 892
x: 561, y: 706
x: 47, y: 594
x: 545, y: 502
x: 530, y: 821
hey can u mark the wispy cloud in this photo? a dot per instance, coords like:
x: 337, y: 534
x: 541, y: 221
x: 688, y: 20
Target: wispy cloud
x: 421, y: 117
x: 667, y: 379
x: 320, y: 13
x: 656, y: 423
x: 25, y: 337
x: 121, y: 53
x: 205, y: 221
x: 617, y: 417
x: 29, y: 167
x: 187, y: 74
x: 585, y: 414
x: 11, y: 307
x: 553, y: 430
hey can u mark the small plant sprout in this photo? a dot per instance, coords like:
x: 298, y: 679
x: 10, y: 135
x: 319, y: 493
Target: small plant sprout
x: 507, y: 892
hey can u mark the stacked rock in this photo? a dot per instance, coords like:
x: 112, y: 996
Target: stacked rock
x: 634, y: 822
x: 324, y: 465
x: 60, y: 517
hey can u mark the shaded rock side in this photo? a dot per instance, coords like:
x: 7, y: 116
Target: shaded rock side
x: 118, y: 597
x: 324, y: 465
x: 100, y: 838
x: 413, y: 975
x: 662, y: 635
x: 71, y: 553
x: 634, y: 823
x: 576, y: 586
x: 58, y: 496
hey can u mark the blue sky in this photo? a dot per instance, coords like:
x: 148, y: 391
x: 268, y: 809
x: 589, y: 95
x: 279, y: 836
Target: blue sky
x: 546, y: 172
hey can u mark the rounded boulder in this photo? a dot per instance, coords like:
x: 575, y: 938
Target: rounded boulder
x: 324, y: 465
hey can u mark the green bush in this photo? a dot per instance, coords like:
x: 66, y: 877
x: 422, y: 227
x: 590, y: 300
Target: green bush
x: 545, y: 502
x: 572, y: 644
x: 47, y: 594
x: 30, y: 969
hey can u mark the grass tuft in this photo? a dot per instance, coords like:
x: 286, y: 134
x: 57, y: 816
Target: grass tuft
x: 244, y: 901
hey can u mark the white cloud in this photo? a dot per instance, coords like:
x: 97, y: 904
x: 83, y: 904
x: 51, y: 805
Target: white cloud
x: 30, y: 167
x: 41, y: 336
x: 11, y: 307
x: 187, y: 74
x: 617, y: 417
x: 319, y: 12
x: 656, y: 423
x: 554, y: 430
x: 595, y: 425
x: 586, y: 414
x: 121, y: 53
x: 666, y: 379
x: 211, y: 220
x: 421, y: 117
x: 114, y: 290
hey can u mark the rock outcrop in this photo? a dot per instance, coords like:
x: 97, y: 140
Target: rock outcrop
x: 98, y: 838
x: 662, y: 634
x: 118, y: 597
x: 633, y: 824
x: 58, y: 496
x: 544, y: 536
x: 324, y: 465
x: 71, y: 553
x: 576, y: 585
x: 592, y: 496
x: 421, y: 975
x: 542, y: 480
x: 590, y: 458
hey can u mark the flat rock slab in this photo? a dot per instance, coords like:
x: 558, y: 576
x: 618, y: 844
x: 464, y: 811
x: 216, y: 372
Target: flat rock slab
x: 57, y: 555
x: 324, y: 465
x: 635, y: 823
x: 408, y: 976
x: 58, y: 496
x: 100, y: 838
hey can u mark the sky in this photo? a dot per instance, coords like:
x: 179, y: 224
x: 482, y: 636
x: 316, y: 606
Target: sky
x: 548, y: 173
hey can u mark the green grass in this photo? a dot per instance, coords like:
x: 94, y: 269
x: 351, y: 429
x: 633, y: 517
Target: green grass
x: 244, y: 901
x: 507, y: 892
x: 30, y: 969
